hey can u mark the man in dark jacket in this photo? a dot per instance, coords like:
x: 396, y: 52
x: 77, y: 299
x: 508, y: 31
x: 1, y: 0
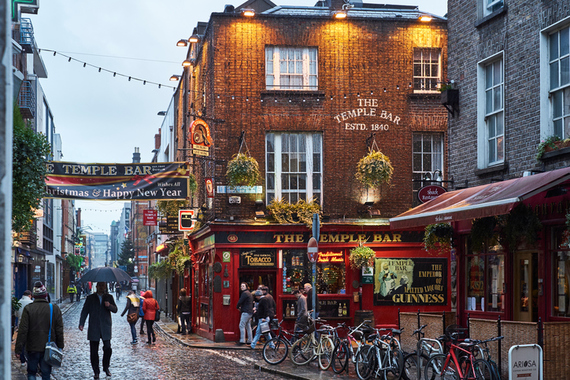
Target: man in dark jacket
x: 245, y: 305
x: 99, y: 307
x: 34, y: 331
x: 263, y: 315
x: 270, y: 301
x: 308, y: 289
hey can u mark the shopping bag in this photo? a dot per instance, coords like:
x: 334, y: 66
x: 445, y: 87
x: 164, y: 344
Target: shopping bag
x: 264, y: 326
x: 132, y: 318
x: 53, y: 355
x: 157, y: 315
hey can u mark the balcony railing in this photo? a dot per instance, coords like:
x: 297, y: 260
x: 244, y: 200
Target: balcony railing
x: 27, y: 100
x: 26, y: 35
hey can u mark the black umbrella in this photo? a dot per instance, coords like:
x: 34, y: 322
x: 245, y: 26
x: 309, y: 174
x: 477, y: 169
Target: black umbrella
x: 106, y: 274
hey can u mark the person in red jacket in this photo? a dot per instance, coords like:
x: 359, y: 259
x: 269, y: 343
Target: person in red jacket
x: 150, y: 306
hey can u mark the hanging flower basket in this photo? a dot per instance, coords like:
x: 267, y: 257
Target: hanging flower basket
x: 243, y: 170
x: 361, y: 256
x: 374, y: 169
x: 437, y: 238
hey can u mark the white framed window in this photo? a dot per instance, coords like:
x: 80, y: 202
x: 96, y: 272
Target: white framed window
x: 427, y: 160
x: 559, y: 76
x: 427, y: 69
x: 490, y: 6
x: 294, y: 166
x: 291, y: 68
x: 490, y: 112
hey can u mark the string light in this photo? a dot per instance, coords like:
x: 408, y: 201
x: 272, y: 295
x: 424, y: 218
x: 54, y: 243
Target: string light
x: 100, y: 69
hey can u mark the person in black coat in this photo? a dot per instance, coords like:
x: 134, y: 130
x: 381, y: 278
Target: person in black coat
x: 184, y: 308
x: 245, y: 305
x: 263, y: 312
x: 98, y: 307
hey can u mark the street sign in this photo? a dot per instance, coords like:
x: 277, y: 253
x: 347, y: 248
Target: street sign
x: 312, y: 250
x: 186, y: 220
x: 149, y: 217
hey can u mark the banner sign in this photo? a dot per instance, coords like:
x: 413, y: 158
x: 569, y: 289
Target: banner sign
x: 257, y: 258
x: 165, y: 181
x: 412, y: 281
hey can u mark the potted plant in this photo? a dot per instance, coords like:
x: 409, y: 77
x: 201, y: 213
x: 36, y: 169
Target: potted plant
x: 483, y: 233
x: 551, y: 144
x: 300, y: 212
x: 437, y: 238
x: 361, y: 256
x: 243, y: 170
x: 521, y: 225
x: 374, y: 169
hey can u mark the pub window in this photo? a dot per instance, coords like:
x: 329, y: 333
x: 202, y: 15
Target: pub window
x: 560, y: 273
x: 485, y: 280
x: 297, y: 271
x: 291, y: 68
x: 427, y: 69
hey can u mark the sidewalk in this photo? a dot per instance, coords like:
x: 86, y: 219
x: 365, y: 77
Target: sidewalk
x: 19, y: 372
x: 286, y: 369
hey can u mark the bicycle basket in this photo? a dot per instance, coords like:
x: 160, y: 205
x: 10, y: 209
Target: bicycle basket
x: 311, y: 328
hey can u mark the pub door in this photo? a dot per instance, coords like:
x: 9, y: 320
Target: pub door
x: 526, y: 286
x: 254, y: 278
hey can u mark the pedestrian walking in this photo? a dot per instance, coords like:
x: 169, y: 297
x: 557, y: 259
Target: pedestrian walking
x: 263, y: 315
x: 132, y: 307
x: 184, y: 308
x: 34, y: 330
x: 245, y: 305
x: 302, y: 321
x: 118, y: 290
x: 71, y: 290
x: 78, y: 294
x: 141, y: 312
x: 308, y: 289
x: 150, y: 306
x: 24, y: 301
x: 98, y: 307
x: 270, y: 301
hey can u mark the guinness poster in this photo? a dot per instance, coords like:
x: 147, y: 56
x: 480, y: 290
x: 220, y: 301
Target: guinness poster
x: 410, y: 281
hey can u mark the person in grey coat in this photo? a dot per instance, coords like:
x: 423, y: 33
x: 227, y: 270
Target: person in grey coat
x: 98, y: 307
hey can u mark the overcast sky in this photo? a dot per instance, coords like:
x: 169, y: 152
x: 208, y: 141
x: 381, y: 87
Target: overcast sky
x: 102, y: 118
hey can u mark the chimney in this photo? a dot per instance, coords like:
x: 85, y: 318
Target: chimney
x: 157, y: 140
x: 336, y: 4
x: 136, y: 156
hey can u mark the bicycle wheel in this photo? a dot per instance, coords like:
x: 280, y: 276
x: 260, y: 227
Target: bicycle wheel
x: 481, y: 370
x: 276, y: 354
x: 397, y: 363
x: 494, y: 370
x: 340, y: 356
x: 302, y: 350
x: 434, y: 369
x: 325, y: 352
x: 410, y: 367
x: 362, y: 363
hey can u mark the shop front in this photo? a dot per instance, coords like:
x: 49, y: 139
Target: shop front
x: 404, y: 276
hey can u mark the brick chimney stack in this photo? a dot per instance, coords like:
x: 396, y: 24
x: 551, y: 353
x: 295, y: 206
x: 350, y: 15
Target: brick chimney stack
x: 336, y: 4
x: 157, y: 139
x: 136, y: 156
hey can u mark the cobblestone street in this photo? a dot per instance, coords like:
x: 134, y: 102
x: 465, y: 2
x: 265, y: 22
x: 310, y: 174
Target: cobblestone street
x: 167, y: 359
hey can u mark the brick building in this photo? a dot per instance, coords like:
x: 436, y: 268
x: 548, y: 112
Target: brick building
x: 509, y: 63
x: 306, y: 95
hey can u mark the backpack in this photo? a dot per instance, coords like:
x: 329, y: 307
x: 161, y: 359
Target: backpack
x: 141, y: 312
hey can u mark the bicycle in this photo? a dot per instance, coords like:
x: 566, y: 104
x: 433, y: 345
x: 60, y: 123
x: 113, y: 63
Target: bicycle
x: 495, y: 372
x: 309, y: 347
x: 276, y: 349
x: 383, y: 357
x: 426, y: 347
x: 458, y: 364
x: 345, y: 349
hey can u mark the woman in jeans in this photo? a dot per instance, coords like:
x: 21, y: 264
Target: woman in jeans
x: 184, y: 311
x: 132, y: 307
x: 150, y: 306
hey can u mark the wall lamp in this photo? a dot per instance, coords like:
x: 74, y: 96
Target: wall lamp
x: 175, y: 78
x: 194, y: 39
x: 186, y: 63
x: 248, y: 12
x: 182, y: 43
x: 425, y: 18
x: 339, y: 15
x: 161, y: 113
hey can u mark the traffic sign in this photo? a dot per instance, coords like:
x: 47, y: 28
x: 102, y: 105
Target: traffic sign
x: 312, y: 250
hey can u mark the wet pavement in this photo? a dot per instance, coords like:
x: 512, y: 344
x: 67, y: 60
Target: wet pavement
x: 174, y: 356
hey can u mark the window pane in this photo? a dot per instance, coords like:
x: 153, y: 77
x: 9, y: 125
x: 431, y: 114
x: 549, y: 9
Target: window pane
x: 270, y: 138
x: 475, y: 282
x: 489, y: 101
x: 270, y: 181
x: 554, y: 46
x: 498, y: 98
x: 554, y: 75
x: 500, y: 149
x: 302, y: 163
x: 497, y: 73
x: 285, y: 182
x: 492, y: 151
x: 557, y: 104
x: 488, y: 76
x: 564, y: 71
x: 491, y: 132
x: 285, y: 162
x: 302, y: 182
x: 270, y: 162
x: 558, y: 127
x: 564, y: 42
x: 317, y: 143
x: 499, y: 124
x: 495, y: 283
x: 316, y: 181
x: 293, y: 182
x: 426, y: 144
x: 417, y: 163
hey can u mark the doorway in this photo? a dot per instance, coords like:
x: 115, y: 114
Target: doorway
x: 254, y: 278
x: 526, y: 286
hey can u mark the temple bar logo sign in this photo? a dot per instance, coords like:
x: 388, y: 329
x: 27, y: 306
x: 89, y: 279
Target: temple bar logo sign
x: 166, y: 181
x: 410, y: 281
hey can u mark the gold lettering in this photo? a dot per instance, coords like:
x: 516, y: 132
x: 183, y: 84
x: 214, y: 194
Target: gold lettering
x: 333, y: 238
x: 277, y: 238
x: 396, y: 238
x: 289, y: 239
x: 344, y: 237
x: 377, y: 238
x: 128, y: 170
x: 386, y: 239
x: 299, y: 238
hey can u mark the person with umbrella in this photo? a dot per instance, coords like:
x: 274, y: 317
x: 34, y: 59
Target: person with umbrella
x: 98, y: 307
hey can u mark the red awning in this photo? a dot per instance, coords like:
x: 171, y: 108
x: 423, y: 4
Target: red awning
x: 481, y: 201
